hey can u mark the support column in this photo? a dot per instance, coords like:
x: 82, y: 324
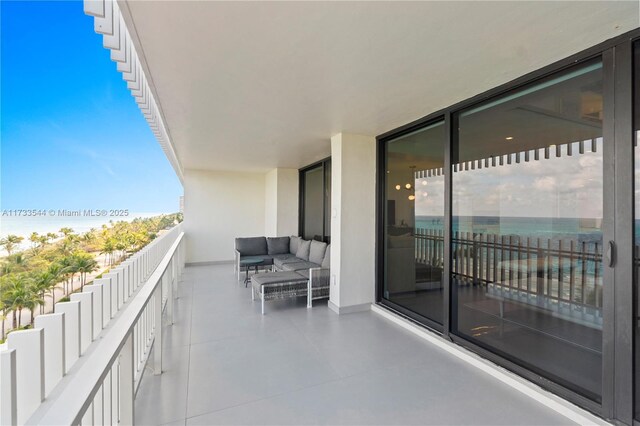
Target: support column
x: 353, y: 194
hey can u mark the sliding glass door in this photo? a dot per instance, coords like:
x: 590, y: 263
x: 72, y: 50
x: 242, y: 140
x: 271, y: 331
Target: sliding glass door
x: 510, y: 222
x: 527, y: 234
x: 414, y: 221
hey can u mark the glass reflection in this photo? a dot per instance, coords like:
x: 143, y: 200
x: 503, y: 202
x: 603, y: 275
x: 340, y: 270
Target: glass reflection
x: 527, y: 210
x: 313, y: 221
x: 414, y: 231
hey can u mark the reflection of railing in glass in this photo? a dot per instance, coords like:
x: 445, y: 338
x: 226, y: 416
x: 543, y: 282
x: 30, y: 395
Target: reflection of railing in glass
x: 557, y: 274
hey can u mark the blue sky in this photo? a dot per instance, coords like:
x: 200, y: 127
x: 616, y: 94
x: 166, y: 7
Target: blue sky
x: 72, y: 136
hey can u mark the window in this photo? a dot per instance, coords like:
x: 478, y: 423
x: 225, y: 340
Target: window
x: 315, y: 201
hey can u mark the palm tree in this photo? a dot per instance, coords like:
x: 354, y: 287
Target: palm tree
x: 14, y: 263
x: 69, y: 244
x: 16, y: 296
x: 56, y: 271
x: 10, y: 242
x: 66, y: 271
x: 108, y: 247
x: 35, y: 241
x: 66, y: 231
x: 33, y: 301
x: 3, y: 306
x: 42, y: 282
x: 85, y: 264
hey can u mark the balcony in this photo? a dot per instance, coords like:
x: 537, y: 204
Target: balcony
x: 277, y: 115
x: 225, y: 363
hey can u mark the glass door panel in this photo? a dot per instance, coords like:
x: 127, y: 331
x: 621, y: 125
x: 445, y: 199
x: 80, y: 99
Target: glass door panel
x: 414, y: 228
x: 527, y: 239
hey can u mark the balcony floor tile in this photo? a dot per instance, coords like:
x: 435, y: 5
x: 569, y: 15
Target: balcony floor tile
x: 225, y: 363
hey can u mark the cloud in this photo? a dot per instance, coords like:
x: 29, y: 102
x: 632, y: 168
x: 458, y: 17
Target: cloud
x: 547, y: 183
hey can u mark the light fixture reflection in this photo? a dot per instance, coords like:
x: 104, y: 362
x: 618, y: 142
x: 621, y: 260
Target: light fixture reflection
x: 411, y: 197
x: 398, y: 187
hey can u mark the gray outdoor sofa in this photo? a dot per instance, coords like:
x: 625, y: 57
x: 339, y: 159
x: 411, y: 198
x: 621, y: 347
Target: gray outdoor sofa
x: 299, y: 267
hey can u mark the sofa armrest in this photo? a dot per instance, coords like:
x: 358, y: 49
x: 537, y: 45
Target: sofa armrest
x: 236, y: 263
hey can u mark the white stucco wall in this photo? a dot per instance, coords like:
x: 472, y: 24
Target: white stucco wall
x: 219, y: 206
x: 281, y: 203
x: 353, y: 186
x: 288, y: 193
x: 271, y: 203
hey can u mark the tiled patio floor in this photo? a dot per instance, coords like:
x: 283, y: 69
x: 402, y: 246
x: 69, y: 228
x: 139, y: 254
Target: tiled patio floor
x: 224, y: 363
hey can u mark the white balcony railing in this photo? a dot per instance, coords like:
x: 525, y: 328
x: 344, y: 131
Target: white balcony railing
x: 83, y: 363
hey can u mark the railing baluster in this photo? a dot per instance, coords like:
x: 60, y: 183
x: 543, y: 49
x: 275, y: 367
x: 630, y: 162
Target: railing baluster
x: 427, y: 235
x: 8, y: 388
x: 53, y: 330
x: 510, y: 261
x: 549, y: 269
x: 596, y: 275
x: 487, y: 266
x: 470, y: 258
x: 157, y: 331
x: 540, y: 259
x: 571, y: 272
x: 495, y: 258
x: 480, y: 258
x: 518, y: 261
x: 126, y: 382
x: 583, y: 275
x: 86, y: 319
x: 502, y: 256
x: 29, y: 367
x: 529, y: 256
x: 71, y: 311
x: 560, y: 272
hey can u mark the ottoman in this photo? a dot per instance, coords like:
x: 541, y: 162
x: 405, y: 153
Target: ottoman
x: 278, y: 285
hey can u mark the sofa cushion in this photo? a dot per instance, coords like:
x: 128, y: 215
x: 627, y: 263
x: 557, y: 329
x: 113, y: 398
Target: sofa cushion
x: 326, y: 261
x: 297, y: 266
x: 293, y: 244
x: 303, y: 250
x: 253, y: 246
x: 278, y: 245
x: 316, y: 251
x: 281, y: 259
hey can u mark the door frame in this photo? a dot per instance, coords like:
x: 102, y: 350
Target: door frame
x: 301, y: 196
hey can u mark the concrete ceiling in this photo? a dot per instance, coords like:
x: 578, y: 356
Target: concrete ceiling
x: 255, y: 85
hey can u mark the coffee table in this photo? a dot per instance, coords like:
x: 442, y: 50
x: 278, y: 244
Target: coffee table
x: 248, y: 262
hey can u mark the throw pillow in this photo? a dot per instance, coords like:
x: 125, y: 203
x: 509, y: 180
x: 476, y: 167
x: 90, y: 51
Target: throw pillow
x: 303, y: 250
x: 278, y: 245
x: 316, y: 251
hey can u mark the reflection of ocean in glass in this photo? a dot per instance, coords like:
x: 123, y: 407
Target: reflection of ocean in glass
x: 580, y: 229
